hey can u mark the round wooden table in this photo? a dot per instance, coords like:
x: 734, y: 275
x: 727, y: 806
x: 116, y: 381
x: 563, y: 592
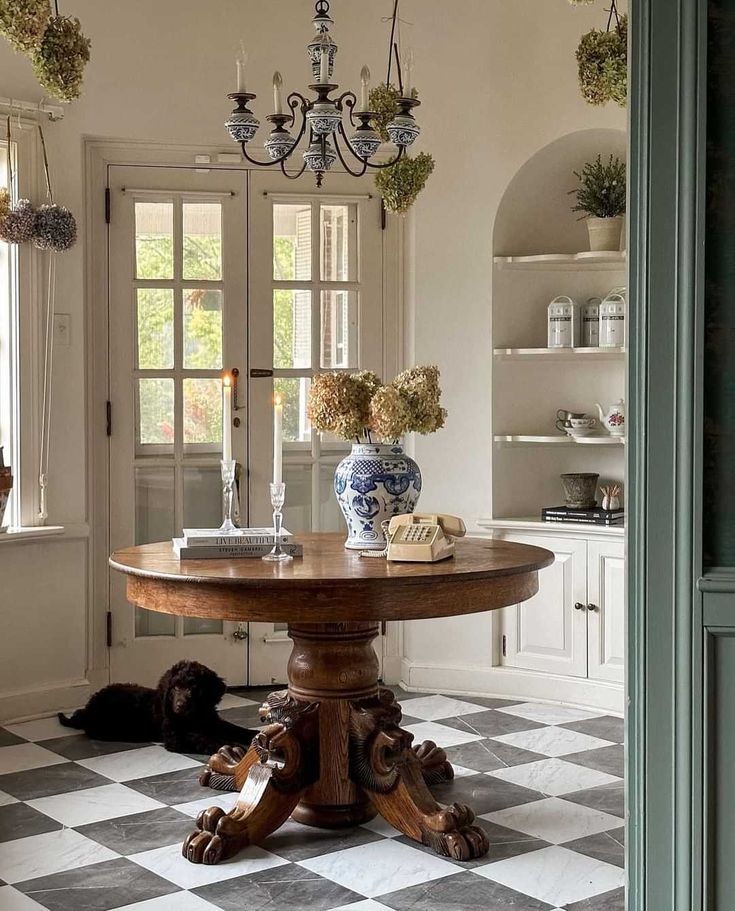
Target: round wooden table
x: 333, y: 753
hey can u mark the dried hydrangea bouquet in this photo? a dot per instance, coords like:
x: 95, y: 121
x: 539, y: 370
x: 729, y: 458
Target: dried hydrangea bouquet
x: 377, y: 479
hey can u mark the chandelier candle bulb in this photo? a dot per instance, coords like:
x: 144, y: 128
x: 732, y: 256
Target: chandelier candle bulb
x: 278, y: 440
x: 227, y: 419
x: 409, y: 65
x: 277, y: 99
x: 324, y: 68
x: 240, y: 65
x: 365, y: 93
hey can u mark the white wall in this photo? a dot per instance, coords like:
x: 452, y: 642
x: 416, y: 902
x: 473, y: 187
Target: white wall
x: 498, y: 81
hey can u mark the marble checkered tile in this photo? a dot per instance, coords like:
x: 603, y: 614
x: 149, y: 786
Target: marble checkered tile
x: 99, y: 826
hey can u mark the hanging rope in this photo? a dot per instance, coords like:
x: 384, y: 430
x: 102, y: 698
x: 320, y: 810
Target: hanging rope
x: 613, y: 11
x: 47, y: 174
x: 48, y: 364
x: 9, y: 156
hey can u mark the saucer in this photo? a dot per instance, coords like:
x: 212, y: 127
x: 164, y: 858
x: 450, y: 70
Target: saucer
x: 581, y: 431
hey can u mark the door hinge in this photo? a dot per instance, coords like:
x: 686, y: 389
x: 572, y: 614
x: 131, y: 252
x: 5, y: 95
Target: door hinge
x: 108, y: 205
x: 108, y: 414
x: 109, y: 629
x: 505, y: 646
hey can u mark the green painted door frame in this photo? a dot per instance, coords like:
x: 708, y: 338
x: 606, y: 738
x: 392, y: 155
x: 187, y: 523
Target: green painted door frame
x: 667, y: 174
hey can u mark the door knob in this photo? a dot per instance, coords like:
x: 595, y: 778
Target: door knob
x: 592, y: 607
x: 240, y: 635
x: 580, y: 606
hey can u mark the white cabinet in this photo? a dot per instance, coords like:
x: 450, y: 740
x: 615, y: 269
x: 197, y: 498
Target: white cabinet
x: 606, y: 614
x: 575, y: 625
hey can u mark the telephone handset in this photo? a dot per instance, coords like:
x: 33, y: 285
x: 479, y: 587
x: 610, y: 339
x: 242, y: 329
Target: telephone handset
x: 423, y: 537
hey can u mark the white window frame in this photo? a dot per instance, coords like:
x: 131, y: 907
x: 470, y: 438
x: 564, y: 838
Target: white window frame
x: 21, y: 358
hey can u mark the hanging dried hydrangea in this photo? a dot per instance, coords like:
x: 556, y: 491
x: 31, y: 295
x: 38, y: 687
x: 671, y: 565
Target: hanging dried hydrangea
x: 18, y: 225
x: 5, y: 201
x: 603, y: 64
x: 581, y: 2
x: 23, y: 22
x: 384, y: 102
x: 55, y: 229
x: 400, y: 184
x: 60, y: 59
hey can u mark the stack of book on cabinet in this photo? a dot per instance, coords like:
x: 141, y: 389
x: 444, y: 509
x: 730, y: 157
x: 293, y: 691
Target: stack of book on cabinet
x: 212, y: 544
x: 594, y: 516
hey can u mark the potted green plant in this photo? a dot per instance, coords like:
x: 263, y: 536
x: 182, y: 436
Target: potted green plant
x: 601, y: 198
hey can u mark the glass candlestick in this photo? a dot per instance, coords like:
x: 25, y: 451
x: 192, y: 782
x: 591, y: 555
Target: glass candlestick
x: 278, y: 497
x: 228, y: 527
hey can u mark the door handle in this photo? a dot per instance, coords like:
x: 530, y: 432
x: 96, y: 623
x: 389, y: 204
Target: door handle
x: 580, y: 606
x: 592, y: 607
x: 259, y: 373
x: 240, y: 634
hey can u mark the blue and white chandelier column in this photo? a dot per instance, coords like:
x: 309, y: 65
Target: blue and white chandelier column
x: 322, y: 118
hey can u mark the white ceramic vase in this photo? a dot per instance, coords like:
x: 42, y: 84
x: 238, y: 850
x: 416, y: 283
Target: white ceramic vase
x: 605, y: 234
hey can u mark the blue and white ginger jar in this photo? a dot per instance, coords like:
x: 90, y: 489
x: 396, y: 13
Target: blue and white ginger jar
x: 374, y: 483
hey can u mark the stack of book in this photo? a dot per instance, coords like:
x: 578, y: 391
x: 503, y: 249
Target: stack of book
x: 211, y: 544
x: 594, y: 516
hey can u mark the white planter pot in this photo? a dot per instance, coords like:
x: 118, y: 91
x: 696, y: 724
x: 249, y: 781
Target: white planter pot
x: 605, y: 233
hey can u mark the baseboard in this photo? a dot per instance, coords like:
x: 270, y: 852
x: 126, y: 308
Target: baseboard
x: 392, y: 669
x: 69, y: 694
x: 503, y: 683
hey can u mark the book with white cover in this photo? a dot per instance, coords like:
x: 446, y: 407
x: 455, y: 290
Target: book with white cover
x: 230, y: 551
x: 207, y: 537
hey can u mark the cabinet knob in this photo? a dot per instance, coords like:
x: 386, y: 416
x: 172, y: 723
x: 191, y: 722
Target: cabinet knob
x: 580, y: 606
x: 592, y: 607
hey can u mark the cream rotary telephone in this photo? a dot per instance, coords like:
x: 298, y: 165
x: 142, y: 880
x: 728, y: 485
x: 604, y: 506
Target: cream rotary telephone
x: 423, y: 537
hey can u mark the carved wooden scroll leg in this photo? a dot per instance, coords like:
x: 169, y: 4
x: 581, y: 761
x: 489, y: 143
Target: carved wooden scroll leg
x: 385, y: 765
x: 219, y: 773
x: 280, y: 764
x: 435, y: 766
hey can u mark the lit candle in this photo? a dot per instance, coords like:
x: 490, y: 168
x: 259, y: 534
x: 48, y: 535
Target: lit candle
x: 277, y: 100
x: 324, y: 67
x: 227, y: 418
x: 365, y: 94
x: 278, y: 440
x: 408, y: 81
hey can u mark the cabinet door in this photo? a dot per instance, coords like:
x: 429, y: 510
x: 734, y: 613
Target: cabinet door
x: 606, y: 613
x: 547, y: 633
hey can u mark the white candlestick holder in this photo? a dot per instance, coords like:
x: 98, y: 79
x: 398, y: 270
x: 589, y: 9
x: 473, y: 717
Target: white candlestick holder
x: 229, y: 466
x: 278, y: 498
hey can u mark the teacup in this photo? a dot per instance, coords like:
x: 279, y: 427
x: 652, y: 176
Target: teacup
x: 564, y: 419
x: 584, y: 423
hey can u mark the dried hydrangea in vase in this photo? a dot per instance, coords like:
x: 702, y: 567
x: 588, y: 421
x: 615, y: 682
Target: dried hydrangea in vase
x: 377, y: 479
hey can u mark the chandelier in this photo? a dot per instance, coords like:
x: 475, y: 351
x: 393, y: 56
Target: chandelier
x: 323, y: 117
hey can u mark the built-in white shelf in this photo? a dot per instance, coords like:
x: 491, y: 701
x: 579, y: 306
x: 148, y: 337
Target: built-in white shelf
x: 565, y: 529
x: 530, y: 439
x: 559, y: 354
x: 564, y: 262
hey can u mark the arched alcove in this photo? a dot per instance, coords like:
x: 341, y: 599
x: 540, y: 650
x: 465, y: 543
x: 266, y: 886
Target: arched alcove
x: 535, y: 214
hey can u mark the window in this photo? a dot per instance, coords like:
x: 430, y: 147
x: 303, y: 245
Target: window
x: 20, y: 350
x: 9, y: 396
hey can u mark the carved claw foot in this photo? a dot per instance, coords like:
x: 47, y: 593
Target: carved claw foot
x: 435, y: 767
x: 451, y: 833
x: 203, y: 848
x: 393, y: 773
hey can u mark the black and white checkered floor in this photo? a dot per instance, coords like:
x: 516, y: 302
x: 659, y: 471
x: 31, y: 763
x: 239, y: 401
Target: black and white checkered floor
x: 90, y: 826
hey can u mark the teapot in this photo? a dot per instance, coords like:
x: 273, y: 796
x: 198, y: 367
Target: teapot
x: 613, y: 418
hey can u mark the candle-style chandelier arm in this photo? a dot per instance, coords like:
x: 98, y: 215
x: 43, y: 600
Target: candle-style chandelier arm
x: 347, y: 100
x: 292, y: 176
x: 295, y: 101
x: 341, y: 157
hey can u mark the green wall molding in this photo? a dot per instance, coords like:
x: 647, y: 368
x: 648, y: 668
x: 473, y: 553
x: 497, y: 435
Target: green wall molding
x: 668, y: 106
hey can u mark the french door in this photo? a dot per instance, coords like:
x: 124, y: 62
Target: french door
x: 317, y: 304
x: 210, y: 272
x: 177, y: 293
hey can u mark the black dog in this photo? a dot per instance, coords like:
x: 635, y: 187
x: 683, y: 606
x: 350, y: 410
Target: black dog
x: 181, y: 712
